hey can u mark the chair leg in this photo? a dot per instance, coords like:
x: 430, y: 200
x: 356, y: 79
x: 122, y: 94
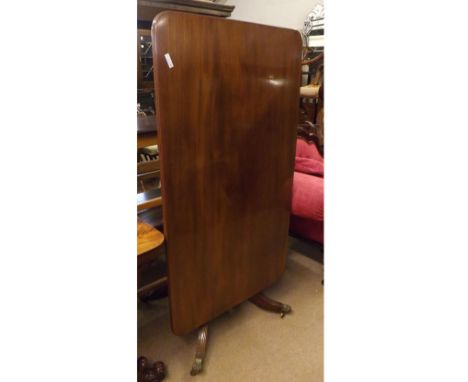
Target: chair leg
x: 269, y: 304
x: 200, y: 351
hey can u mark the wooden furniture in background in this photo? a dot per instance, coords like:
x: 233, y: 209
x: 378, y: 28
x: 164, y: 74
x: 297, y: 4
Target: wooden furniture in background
x: 149, y: 240
x: 148, y: 9
x: 152, y: 267
x: 312, y: 99
x: 311, y: 96
x: 144, y: 59
x: 149, y: 199
x: 146, y: 131
x: 148, y: 372
x: 226, y: 113
x: 147, y: 171
x: 148, y: 175
x: 150, y: 246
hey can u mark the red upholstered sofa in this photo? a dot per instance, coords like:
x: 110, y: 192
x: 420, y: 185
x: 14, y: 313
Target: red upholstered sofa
x: 307, y: 194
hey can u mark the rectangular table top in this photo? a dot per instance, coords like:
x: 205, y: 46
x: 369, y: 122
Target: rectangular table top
x: 227, y: 98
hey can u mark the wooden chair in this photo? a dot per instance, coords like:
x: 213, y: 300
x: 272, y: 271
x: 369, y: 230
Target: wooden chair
x: 312, y: 89
x: 312, y: 101
x: 148, y: 172
x: 150, y: 197
x: 312, y: 93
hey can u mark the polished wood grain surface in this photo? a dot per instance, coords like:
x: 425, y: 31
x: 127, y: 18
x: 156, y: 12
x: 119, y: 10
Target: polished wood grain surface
x: 148, y: 238
x: 226, y: 114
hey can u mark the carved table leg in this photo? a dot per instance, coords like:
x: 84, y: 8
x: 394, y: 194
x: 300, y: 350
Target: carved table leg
x: 200, y: 350
x: 150, y: 373
x: 269, y: 304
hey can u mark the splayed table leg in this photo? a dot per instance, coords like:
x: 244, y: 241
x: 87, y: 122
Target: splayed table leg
x: 269, y: 304
x: 200, y: 350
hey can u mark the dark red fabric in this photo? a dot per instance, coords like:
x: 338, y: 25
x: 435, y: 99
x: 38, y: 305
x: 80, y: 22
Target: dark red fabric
x: 307, y: 229
x: 307, y: 194
x: 307, y: 150
x: 307, y: 199
x: 309, y: 166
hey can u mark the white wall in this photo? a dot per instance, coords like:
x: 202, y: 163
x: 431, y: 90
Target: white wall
x: 281, y: 13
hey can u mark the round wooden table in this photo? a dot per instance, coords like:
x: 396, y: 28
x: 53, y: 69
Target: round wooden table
x: 149, y: 238
x: 149, y: 247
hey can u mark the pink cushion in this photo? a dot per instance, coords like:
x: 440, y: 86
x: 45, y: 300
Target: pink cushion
x: 307, y: 150
x: 307, y: 196
x: 307, y: 193
x: 308, y: 159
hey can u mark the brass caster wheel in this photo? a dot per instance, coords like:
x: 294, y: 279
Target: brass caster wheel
x: 196, y: 367
x: 285, y: 309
